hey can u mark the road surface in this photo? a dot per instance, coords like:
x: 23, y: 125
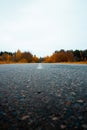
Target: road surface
x: 43, y: 97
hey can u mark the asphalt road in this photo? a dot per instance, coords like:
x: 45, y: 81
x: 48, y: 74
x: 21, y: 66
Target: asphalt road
x: 43, y: 97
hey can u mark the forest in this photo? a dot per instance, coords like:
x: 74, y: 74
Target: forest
x: 69, y: 56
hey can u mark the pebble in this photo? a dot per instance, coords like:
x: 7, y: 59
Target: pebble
x: 62, y: 126
x: 73, y: 93
x: 23, y: 96
x: 59, y: 95
x: 68, y: 103
x: 80, y: 101
x: 27, y: 86
x: 25, y: 117
x: 38, y: 92
x: 84, y: 126
x: 80, y: 117
x: 29, y: 80
x: 54, y: 118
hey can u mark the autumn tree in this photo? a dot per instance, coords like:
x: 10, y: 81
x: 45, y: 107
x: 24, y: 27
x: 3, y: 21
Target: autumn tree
x: 18, y: 55
x: 47, y: 59
x: 59, y: 56
x: 70, y: 56
x: 28, y: 56
x: 0, y: 58
x: 84, y: 55
x: 6, y: 57
x: 35, y: 59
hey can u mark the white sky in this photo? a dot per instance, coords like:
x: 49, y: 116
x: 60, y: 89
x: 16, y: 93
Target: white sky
x: 43, y: 26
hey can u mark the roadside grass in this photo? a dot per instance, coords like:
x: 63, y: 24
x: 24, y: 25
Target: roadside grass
x: 21, y: 62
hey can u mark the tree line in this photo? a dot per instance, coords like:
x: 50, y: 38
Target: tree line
x: 17, y: 57
x: 56, y: 57
x: 67, y: 56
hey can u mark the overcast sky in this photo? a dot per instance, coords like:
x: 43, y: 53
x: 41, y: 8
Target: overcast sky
x: 43, y: 26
